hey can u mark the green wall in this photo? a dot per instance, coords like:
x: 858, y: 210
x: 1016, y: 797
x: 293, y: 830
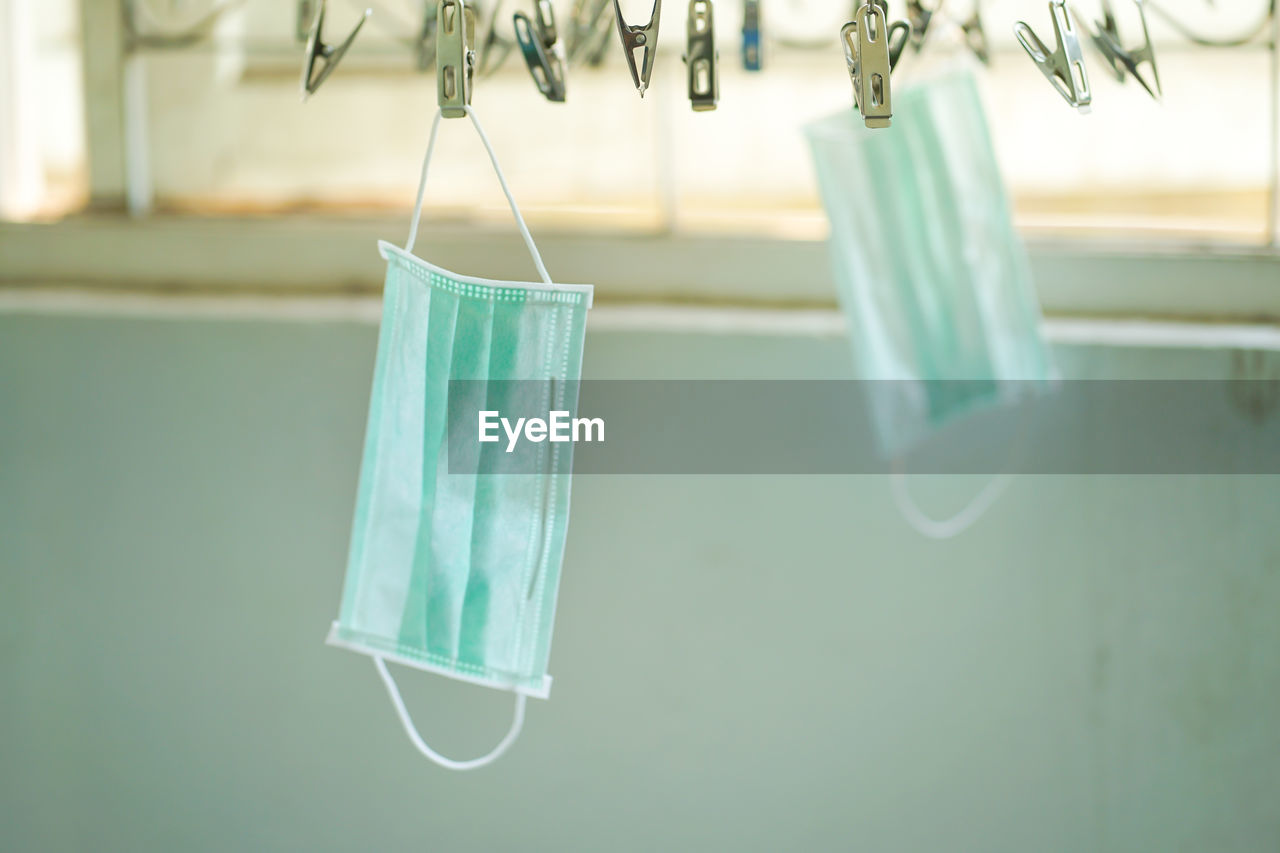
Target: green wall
x: 740, y: 663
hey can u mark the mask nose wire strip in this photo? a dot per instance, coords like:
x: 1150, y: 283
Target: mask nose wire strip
x: 946, y: 528
x: 493, y: 158
x: 453, y: 764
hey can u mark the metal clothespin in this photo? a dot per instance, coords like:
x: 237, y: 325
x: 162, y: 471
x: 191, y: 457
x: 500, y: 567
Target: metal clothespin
x: 752, y: 59
x: 701, y: 56
x: 424, y: 47
x: 1108, y: 25
x: 636, y: 37
x: 872, y: 48
x: 319, y: 51
x: 455, y: 56
x: 1106, y: 38
x: 920, y: 16
x: 975, y: 34
x: 899, y: 34
x: 590, y: 31
x: 493, y: 48
x: 306, y: 15
x: 540, y: 45
x: 1064, y: 65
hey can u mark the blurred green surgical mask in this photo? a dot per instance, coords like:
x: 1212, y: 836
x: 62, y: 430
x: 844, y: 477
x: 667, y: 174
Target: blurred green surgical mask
x: 457, y: 573
x: 932, y: 276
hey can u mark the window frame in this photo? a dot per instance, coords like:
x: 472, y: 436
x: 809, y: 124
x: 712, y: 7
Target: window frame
x: 336, y: 256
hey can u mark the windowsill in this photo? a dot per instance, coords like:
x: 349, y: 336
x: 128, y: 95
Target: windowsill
x: 642, y: 318
x: 333, y: 256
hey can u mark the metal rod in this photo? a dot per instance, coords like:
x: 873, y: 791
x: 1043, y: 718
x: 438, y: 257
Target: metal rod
x: 102, y: 41
x: 139, y: 190
x: 1273, y: 224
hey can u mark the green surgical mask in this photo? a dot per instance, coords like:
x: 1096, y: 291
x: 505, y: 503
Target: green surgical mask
x: 932, y: 276
x: 457, y: 573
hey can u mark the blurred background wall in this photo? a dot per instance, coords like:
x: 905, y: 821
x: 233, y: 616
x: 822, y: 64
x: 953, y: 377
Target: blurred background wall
x: 741, y: 663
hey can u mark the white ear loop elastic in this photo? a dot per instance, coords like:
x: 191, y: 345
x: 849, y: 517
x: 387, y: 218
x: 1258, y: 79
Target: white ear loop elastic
x: 945, y: 528
x: 493, y: 158
x: 453, y: 764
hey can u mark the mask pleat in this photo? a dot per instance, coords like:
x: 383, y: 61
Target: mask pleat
x: 917, y: 251
x: 851, y: 228
x: 390, y: 495
x: 896, y: 272
x: 961, y: 219
x: 453, y: 516
x: 500, y: 531
x: 541, y: 589
x: 427, y: 614
x: 995, y: 259
x: 541, y: 330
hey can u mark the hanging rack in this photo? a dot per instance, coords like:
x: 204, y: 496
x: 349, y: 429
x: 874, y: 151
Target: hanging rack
x: 145, y: 33
x: 588, y: 42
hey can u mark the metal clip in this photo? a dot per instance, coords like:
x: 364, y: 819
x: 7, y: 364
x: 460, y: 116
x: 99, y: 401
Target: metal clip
x: 1106, y: 38
x: 752, y: 60
x: 636, y: 37
x: 1106, y: 25
x: 540, y: 45
x: 872, y: 48
x: 319, y: 51
x: 1064, y: 65
x: 701, y: 56
x: 975, y: 34
x: 305, y: 16
x: 899, y: 34
x: 493, y: 48
x: 424, y: 47
x: 455, y: 56
x: 590, y: 32
x: 920, y: 17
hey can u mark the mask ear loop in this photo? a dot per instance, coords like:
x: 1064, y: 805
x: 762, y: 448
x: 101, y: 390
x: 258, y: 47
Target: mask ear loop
x: 493, y: 158
x: 452, y: 764
x: 948, y: 528
x: 945, y: 528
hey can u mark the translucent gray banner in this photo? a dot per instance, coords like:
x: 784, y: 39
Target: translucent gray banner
x: 859, y: 427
